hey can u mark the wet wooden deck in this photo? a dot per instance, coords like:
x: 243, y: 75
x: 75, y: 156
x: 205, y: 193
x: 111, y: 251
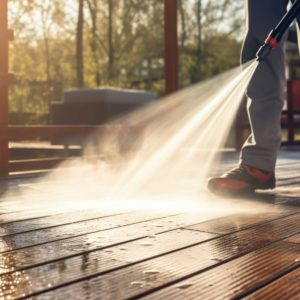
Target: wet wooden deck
x: 93, y: 254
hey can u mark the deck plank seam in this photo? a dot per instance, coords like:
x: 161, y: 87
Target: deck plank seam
x: 87, y: 277
x: 20, y: 269
x: 217, y: 264
x: 240, y: 230
x: 86, y: 233
x: 206, y: 231
x: 10, y: 212
x: 29, y: 219
x: 103, y: 248
x: 26, y: 219
x: 63, y: 224
x: 284, y: 184
x: 150, y: 258
x: 131, y: 240
x: 46, y: 216
x: 267, y: 282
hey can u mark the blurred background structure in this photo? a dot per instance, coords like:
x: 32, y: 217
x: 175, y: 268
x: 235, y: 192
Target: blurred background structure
x: 153, y: 46
x: 90, y: 43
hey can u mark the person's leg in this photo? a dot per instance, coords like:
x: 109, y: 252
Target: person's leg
x: 266, y: 89
x: 265, y: 101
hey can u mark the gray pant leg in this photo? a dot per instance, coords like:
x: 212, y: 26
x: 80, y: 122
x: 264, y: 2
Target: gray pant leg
x: 266, y: 89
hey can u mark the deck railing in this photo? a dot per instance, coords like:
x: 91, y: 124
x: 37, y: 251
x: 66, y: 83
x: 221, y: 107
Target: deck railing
x: 10, y: 133
x: 60, y: 135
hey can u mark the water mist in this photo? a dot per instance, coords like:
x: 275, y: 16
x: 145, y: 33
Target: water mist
x: 157, y: 157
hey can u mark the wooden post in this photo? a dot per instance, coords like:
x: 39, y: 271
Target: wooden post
x: 171, y: 46
x: 292, y: 91
x: 5, y: 36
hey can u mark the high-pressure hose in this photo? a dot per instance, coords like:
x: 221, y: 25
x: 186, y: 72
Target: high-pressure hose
x: 277, y: 33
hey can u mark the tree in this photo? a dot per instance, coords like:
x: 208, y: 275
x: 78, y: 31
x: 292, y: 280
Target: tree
x: 209, y: 23
x: 93, y: 9
x: 79, y: 44
x: 75, y: 43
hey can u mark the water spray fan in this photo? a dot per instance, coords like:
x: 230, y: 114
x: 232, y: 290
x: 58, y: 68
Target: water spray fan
x: 277, y: 33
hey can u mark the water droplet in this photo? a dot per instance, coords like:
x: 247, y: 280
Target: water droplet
x: 152, y: 236
x: 151, y: 272
x: 297, y: 259
x: 49, y: 285
x: 184, y: 285
x: 137, y: 283
x: 216, y: 259
x: 147, y: 244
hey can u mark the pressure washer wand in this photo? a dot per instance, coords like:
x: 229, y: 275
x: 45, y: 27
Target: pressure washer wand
x: 277, y: 33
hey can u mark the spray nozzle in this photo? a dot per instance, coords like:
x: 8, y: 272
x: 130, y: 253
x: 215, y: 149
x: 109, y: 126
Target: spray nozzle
x: 263, y: 52
x: 270, y: 43
x: 277, y: 33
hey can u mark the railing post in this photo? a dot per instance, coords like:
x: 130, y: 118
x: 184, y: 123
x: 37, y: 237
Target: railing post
x: 5, y: 36
x: 171, y: 46
x: 291, y: 93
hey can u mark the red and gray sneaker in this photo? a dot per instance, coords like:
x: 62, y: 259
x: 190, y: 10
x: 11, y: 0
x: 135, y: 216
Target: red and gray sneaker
x: 240, y: 180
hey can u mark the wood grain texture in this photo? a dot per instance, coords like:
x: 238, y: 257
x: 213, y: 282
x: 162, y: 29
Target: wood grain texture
x: 119, y: 254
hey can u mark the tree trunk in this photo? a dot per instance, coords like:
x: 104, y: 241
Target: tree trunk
x: 111, y: 54
x: 199, y: 38
x: 183, y: 23
x: 47, y: 52
x: 79, y: 44
x: 47, y: 59
x: 93, y: 7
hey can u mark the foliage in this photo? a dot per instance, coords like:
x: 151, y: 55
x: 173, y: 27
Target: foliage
x: 122, y: 42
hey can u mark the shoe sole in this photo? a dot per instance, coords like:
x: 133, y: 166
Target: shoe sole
x: 247, y: 191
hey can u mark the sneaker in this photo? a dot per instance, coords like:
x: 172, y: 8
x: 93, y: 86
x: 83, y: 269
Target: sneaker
x: 240, y: 180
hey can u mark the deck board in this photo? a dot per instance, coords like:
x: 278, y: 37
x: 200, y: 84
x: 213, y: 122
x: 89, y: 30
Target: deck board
x: 52, y: 251
x: 24, y: 226
x: 132, y: 254
x: 211, y: 253
x: 246, y: 273
x: 236, y: 222
x: 286, y: 287
x: 12, y: 217
x: 178, y: 265
x: 63, y: 232
x: 101, y: 261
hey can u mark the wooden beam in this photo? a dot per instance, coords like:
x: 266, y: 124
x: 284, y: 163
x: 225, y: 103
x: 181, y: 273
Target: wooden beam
x: 293, y: 89
x: 51, y: 132
x: 5, y: 35
x: 171, y: 46
x: 34, y: 164
x: 35, y: 131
